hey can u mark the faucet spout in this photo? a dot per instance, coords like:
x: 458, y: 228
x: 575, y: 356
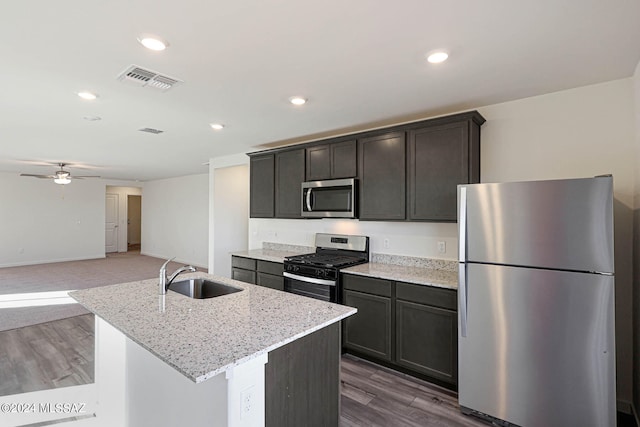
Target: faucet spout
x: 182, y: 269
x: 164, y: 281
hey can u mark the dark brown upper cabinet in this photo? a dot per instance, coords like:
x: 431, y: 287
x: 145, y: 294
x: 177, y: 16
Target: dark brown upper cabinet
x: 382, y: 177
x: 408, y: 172
x: 289, y: 178
x: 440, y: 157
x: 332, y: 161
x: 261, y: 178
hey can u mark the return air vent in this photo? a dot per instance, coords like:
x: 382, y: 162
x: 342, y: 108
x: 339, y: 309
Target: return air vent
x: 143, y: 77
x: 151, y: 130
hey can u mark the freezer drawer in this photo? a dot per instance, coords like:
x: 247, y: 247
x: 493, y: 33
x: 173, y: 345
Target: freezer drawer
x: 539, y: 346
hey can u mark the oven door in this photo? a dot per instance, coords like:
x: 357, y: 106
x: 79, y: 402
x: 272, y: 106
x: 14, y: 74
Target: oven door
x: 325, y: 290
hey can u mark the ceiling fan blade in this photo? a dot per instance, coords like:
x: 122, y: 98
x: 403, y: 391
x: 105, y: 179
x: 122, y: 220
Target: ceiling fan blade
x: 38, y: 176
x: 84, y: 176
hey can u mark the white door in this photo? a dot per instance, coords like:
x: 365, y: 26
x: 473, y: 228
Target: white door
x: 111, y: 226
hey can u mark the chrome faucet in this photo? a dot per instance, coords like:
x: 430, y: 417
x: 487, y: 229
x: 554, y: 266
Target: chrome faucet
x: 164, y: 282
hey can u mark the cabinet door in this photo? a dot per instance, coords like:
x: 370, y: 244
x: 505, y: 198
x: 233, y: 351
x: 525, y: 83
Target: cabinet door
x: 318, y: 162
x: 246, y: 276
x: 262, y: 186
x: 289, y: 178
x: 270, y: 281
x: 369, y: 330
x: 438, y: 161
x: 382, y: 177
x: 426, y: 340
x: 344, y: 160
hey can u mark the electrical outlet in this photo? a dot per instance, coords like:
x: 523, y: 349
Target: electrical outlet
x: 386, y: 243
x: 442, y: 247
x: 246, y: 402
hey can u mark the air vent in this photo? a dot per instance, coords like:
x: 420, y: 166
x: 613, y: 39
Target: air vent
x: 151, y: 130
x: 143, y: 77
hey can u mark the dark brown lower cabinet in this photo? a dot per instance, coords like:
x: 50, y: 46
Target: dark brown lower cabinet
x: 302, y: 381
x: 412, y: 328
x: 369, y: 330
x: 426, y: 340
x: 243, y: 269
x: 270, y: 281
x: 257, y: 272
x: 246, y: 276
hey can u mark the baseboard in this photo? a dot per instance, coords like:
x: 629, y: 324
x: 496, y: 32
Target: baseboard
x: 51, y: 261
x: 178, y: 260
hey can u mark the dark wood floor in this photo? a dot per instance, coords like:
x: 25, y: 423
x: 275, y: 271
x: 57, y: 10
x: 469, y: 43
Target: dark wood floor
x: 48, y: 355
x: 376, y: 396
x: 61, y: 353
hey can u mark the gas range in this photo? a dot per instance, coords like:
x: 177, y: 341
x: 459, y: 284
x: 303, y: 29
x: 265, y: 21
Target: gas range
x: 317, y: 274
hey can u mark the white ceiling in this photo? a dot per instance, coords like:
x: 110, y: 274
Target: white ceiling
x: 360, y: 63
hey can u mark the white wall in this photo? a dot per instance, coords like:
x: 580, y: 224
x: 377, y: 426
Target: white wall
x: 175, y: 219
x: 231, y: 207
x: 122, y: 193
x: 41, y: 222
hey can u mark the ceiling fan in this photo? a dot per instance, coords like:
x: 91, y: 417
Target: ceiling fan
x: 61, y: 177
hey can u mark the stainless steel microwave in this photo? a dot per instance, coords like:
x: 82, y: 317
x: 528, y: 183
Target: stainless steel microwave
x: 334, y: 198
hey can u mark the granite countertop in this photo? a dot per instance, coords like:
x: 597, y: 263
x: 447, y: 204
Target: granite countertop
x: 272, y: 255
x: 202, y: 338
x: 406, y: 273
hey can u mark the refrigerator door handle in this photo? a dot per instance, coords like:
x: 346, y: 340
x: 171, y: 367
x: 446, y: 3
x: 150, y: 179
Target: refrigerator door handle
x: 462, y: 298
x: 462, y: 230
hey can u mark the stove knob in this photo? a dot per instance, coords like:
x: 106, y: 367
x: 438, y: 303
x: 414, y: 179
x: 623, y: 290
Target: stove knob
x: 296, y: 268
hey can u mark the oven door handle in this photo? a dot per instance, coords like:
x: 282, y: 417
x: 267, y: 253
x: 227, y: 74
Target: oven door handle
x: 309, y: 279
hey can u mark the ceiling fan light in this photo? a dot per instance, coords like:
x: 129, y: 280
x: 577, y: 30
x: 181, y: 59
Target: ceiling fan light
x: 62, y: 181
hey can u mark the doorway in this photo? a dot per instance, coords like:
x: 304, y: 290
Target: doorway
x: 123, y: 223
x: 134, y: 222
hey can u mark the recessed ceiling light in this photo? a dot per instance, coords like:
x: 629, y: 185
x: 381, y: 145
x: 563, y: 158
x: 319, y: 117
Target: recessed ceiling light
x: 89, y: 96
x: 216, y: 126
x: 153, y: 43
x: 297, y: 100
x: 92, y: 118
x: 437, y: 57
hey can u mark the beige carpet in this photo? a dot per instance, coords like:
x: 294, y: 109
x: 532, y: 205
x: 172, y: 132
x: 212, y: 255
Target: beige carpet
x: 62, y: 276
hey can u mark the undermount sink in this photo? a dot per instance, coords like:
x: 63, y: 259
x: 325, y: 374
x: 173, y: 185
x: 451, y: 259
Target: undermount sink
x: 202, y: 288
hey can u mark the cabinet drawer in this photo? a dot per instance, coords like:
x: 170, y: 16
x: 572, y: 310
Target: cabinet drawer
x: 270, y: 281
x: 436, y: 297
x: 367, y: 285
x: 241, y: 262
x: 243, y: 275
x: 270, y: 267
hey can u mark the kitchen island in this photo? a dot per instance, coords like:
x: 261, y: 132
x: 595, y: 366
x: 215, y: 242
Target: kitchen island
x: 251, y: 358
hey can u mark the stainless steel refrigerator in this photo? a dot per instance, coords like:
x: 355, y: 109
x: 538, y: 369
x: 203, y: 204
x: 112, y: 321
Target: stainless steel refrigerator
x: 536, y: 302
